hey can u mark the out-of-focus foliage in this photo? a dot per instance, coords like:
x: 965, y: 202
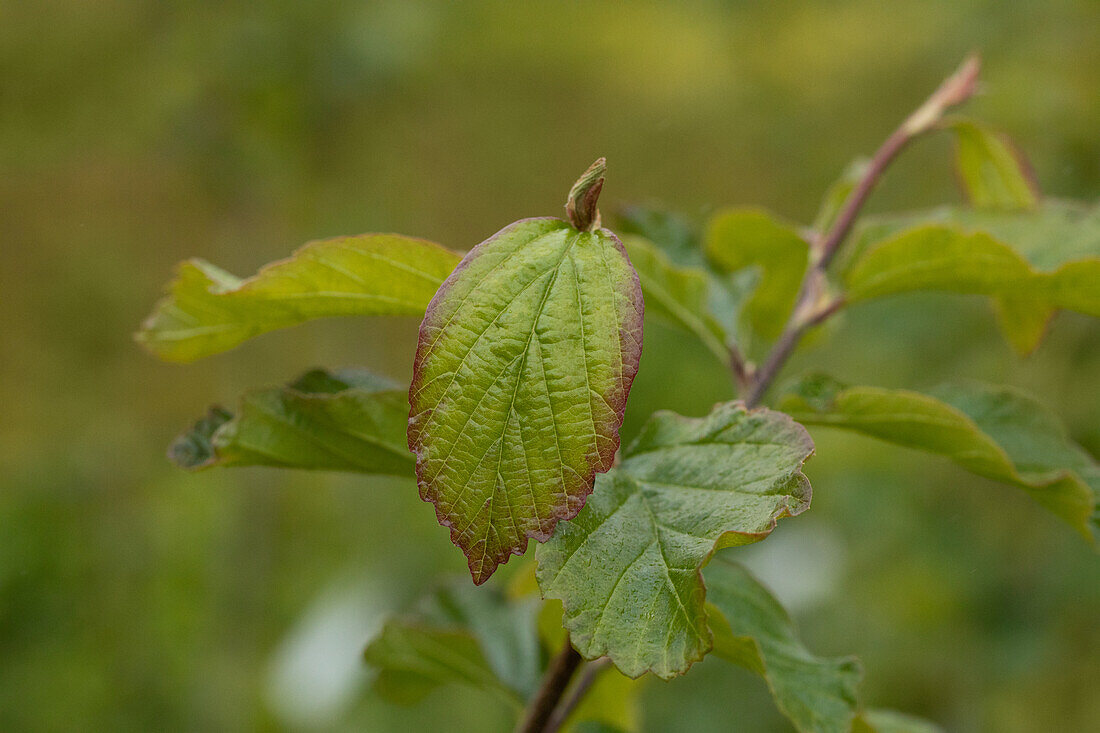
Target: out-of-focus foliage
x: 136, y: 134
x: 350, y: 420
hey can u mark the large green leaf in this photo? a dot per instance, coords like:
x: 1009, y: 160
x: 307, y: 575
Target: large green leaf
x: 996, y: 432
x: 458, y: 636
x: 627, y: 569
x: 1031, y: 262
x: 524, y: 364
x: 740, y: 238
x: 348, y: 420
x: 679, y: 296
x: 993, y: 175
x: 208, y: 310
x: 751, y: 629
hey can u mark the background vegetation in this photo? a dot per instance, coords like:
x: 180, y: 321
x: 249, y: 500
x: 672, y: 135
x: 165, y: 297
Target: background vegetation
x: 135, y: 134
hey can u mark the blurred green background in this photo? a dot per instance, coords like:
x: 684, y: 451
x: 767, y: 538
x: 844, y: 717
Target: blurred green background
x: 136, y: 134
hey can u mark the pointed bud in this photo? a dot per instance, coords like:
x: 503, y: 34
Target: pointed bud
x: 581, y: 206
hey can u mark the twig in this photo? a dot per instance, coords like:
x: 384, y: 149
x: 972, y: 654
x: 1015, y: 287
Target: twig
x: 587, y: 678
x: 553, y: 686
x: 813, y: 304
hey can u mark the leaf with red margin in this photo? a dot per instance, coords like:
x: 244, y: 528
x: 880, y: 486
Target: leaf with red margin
x: 523, y: 367
x: 628, y: 568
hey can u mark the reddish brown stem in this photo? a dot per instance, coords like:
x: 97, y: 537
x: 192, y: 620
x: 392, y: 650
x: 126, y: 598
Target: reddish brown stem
x: 812, y: 305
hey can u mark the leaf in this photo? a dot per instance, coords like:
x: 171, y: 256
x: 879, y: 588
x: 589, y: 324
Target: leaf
x: 992, y: 173
x: 674, y: 234
x: 996, y: 432
x: 627, y: 569
x: 678, y: 296
x: 348, y: 420
x: 413, y: 660
x: 524, y: 364
x: 838, y: 193
x: 1052, y: 253
x: 947, y: 259
x: 751, y: 629
x: 208, y: 310
x: 740, y: 238
x: 889, y: 721
x: 458, y: 636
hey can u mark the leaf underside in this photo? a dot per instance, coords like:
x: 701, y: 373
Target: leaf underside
x: 995, y: 432
x: 523, y: 367
x: 348, y: 420
x: 208, y: 310
x: 627, y: 568
x: 751, y: 629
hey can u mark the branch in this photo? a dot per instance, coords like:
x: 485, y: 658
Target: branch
x: 813, y: 304
x: 588, y: 677
x: 553, y: 686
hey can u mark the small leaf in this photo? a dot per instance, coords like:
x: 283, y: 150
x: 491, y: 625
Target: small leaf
x: 838, y: 194
x: 996, y: 432
x: 457, y: 636
x: 751, y: 629
x: 741, y: 238
x: 992, y: 173
x: 678, y: 296
x: 342, y: 421
x: 208, y: 311
x: 524, y: 364
x: 627, y: 569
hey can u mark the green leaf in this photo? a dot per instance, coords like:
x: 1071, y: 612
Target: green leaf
x: 1052, y: 255
x: 889, y: 721
x: 342, y: 421
x: 672, y: 233
x: 413, y: 660
x: 996, y: 432
x: 208, y: 310
x: 458, y: 636
x: 627, y: 569
x: 751, y: 629
x: 948, y: 259
x: 838, y: 194
x: 678, y: 296
x: 740, y: 238
x: 992, y: 173
x: 524, y: 364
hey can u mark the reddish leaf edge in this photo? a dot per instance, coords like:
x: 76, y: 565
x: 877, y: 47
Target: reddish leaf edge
x: 630, y: 340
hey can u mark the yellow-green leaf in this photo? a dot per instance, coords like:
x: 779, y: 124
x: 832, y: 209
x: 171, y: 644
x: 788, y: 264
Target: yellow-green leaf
x: 996, y: 432
x: 524, y: 364
x: 992, y: 173
x: 627, y: 569
x: 1032, y: 263
x: 207, y: 310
